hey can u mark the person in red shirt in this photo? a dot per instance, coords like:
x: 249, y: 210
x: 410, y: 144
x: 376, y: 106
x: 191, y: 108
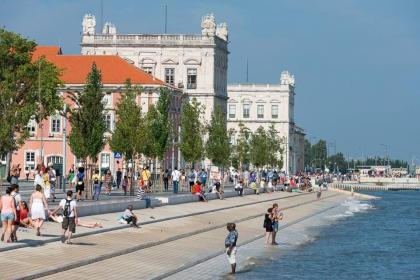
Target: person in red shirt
x: 196, y: 189
x: 24, y: 219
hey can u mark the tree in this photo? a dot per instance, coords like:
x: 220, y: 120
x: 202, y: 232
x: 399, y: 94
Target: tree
x: 337, y: 162
x: 87, y: 119
x: 275, y: 155
x: 259, y: 148
x: 241, y: 148
x: 28, y: 89
x: 191, y: 144
x: 128, y: 135
x: 319, y: 153
x: 217, y: 146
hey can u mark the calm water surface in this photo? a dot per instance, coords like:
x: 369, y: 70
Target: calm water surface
x: 381, y: 243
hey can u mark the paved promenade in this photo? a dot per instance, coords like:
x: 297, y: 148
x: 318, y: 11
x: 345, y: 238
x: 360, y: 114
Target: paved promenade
x: 171, y: 239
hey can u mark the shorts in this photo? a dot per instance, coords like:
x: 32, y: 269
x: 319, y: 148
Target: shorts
x: 69, y: 223
x: 7, y: 217
x: 80, y: 187
x: 276, y: 226
x: 232, y: 257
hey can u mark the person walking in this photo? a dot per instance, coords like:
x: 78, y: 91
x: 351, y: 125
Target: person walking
x: 97, y: 184
x: 70, y: 177
x: 8, y: 214
x: 69, y: 207
x: 108, y: 180
x: 18, y: 205
x: 203, y: 177
x: 80, y: 183
x: 146, y: 179
x: 191, y: 178
x: 47, y: 185
x: 166, y: 180
x: 124, y: 184
x: 230, y: 245
x: 52, y: 179
x: 175, y: 179
x: 38, y: 205
x: 119, y: 177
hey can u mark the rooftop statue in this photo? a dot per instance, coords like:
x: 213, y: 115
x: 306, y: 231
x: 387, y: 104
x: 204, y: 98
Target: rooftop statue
x: 208, y: 25
x: 89, y: 24
x: 287, y: 79
x: 222, y: 31
x: 109, y: 28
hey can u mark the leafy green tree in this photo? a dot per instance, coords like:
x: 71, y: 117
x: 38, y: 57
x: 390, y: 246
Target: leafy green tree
x: 28, y: 89
x: 319, y: 154
x: 337, y: 162
x: 307, y: 153
x: 275, y: 158
x: 259, y: 148
x: 191, y: 144
x: 242, y: 148
x: 217, y: 146
x: 128, y: 135
x: 87, y: 119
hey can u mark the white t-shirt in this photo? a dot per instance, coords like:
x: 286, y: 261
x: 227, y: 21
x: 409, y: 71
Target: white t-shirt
x: 127, y: 214
x: 18, y: 199
x: 175, y: 175
x: 72, y: 206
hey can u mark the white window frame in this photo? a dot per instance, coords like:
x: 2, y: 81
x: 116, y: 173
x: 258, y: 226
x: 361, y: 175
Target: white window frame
x: 148, y: 69
x: 260, y: 111
x: 274, y: 116
x: 31, y: 127
x: 191, y: 72
x: 105, y: 160
x: 29, y: 164
x: 107, y: 99
x: 53, y: 124
x: 170, y: 75
x: 111, y: 120
x: 232, y: 107
x: 246, y: 108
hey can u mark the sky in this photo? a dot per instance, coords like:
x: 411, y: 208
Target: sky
x: 356, y: 62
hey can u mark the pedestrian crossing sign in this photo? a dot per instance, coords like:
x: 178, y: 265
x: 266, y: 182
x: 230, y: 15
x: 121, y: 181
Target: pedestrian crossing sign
x: 117, y: 155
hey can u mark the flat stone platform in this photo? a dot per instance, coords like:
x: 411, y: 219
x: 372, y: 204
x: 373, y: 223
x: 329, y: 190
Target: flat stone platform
x: 171, y: 239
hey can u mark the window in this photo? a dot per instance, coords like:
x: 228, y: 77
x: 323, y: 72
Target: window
x: 107, y: 99
x: 31, y: 127
x: 192, y: 78
x: 274, y: 111
x: 105, y: 160
x: 55, y: 124
x: 260, y: 111
x: 232, y: 111
x: 108, y: 122
x: 29, y: 160
x: 148, y: 70
x: 170, y: 76
x: 247, y: 108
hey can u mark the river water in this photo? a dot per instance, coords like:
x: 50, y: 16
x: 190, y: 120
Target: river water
x: 378, y: 239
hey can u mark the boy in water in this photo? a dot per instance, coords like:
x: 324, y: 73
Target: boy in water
x: 230, y: 245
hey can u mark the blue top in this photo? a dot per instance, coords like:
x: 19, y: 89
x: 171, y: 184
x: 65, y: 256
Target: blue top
x: 231, y: 239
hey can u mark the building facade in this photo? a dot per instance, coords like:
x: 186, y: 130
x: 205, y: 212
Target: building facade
x: 196, y: 63
x: 47, y: 142
x: 264, y: 105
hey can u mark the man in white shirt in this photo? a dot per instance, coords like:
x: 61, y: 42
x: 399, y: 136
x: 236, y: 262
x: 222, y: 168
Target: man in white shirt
x: 130, y: 217
x: 69, y: 207
x: 175, y: 179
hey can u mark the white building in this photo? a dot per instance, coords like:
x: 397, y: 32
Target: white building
x: 197, y: 63
x: 264, y: 105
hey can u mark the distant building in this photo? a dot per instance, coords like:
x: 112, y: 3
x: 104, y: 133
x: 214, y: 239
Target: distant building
x: 46, y: 144
x: 264, y: 105
x: 196, y: 63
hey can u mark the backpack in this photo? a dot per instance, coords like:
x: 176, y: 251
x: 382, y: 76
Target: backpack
x: 67, y: 209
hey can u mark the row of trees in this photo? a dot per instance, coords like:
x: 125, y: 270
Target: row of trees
x: 316, y: 156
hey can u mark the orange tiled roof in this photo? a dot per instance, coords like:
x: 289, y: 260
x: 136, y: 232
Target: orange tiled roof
x: 114, y: 69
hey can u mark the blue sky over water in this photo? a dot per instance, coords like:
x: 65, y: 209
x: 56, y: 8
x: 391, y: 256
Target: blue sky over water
x: 356, y: 62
